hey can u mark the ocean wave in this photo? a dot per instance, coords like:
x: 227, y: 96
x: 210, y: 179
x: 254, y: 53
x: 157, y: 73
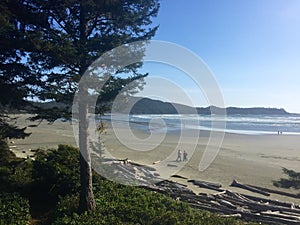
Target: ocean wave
x: 259, y: 124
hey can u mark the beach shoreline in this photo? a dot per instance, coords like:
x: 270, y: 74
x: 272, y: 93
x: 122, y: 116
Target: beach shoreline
x: 251, y: 159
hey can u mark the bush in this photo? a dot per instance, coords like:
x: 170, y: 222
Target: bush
x: 15, y: 176
x: 15, y: 173
x: 56, y: 172
x: 13, y: 209
x: 118, y: 204
x: 5, y: 154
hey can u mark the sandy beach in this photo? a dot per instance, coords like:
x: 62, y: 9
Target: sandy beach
x: 251, y: 159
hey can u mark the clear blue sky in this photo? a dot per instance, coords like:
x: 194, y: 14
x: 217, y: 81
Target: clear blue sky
x: 251, y: 46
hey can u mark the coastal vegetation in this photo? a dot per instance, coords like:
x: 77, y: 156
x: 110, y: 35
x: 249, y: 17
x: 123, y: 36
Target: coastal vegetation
x: 46, y: 47
x: 45, y: 191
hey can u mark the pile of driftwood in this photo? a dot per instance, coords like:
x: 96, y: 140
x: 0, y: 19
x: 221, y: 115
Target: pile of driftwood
x: 224, y: 202
x: 232, y: 204
x: 228, y: 203
x: 127, y: 172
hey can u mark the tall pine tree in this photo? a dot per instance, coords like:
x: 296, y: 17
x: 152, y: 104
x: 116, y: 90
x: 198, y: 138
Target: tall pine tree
x: 66, y: 37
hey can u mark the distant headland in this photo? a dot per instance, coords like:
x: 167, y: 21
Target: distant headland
x: 151, y: 106
x: 142, y: 105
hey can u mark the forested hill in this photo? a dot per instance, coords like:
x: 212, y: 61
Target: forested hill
x: 150, y: 106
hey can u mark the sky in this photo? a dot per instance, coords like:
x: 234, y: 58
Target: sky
x: 252, y: 47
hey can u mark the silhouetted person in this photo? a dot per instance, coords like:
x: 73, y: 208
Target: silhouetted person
x: 179, y: 156
x: 185, y: 154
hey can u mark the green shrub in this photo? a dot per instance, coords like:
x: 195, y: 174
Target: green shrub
x: 13, y: 209
x: 118, y: 204
x: 15, y: 173
x: 16, y: 178
x: 55, y: 175
x: 56, y: 172
x: 21, y: 178
x: 5, y: 154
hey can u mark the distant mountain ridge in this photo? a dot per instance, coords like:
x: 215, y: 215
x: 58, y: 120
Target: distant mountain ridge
x: 151, y: 106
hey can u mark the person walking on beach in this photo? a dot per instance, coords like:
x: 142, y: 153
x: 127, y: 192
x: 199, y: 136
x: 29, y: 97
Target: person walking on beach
x: 185, y: 154
x: 179, y: 156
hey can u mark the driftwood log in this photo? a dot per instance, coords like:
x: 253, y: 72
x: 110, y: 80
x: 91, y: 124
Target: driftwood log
x: 179, y: 176
x: 235, y: 183
x: 172, y: 165
x: 199, y: 182
x: 207, y: 185
x: 141, y: 165
x: 276, y: 191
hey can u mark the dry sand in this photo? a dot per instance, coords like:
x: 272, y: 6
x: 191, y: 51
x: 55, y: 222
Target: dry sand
x: 251, y: 159
x: 43, y: 136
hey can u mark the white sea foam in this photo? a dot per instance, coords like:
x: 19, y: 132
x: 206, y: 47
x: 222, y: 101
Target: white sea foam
x: 252, y: 125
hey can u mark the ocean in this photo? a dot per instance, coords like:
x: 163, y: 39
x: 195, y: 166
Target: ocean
x: 239, y: 124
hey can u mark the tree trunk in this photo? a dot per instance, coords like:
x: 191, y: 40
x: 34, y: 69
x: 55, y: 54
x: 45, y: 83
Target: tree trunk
x: 87, y: 201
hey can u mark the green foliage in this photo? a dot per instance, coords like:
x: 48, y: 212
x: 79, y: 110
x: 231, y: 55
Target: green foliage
x: 18, y: 79
x: 13, y: 209
x: 118, y: 204
x: 5, y: 154
x: 56, y: 172
x: 15, y: 173
x: 20, y: 178
x: 48, y: 45
x: 7, y: 130
x: 293, y: 180
x: 13, y: 72
x: 51, y: 174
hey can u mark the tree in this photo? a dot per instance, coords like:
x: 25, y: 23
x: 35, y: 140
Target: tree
x: 68, y: 37
x: 17, y: 79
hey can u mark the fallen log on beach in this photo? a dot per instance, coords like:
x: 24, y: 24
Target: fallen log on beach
x: 199, y: 182
x: 235, y: 183
x: 128, y: 172
x: 172, y: 165
x: 281, y: 215
x: 276, y: 191
x: 268, y: 219
x: 141, y: 165
x: 174, y: 188
x: 216, y: 185
x: 236, y: 215
x: 147, y: 174
x: 179, y: 176
x: 207, y: 185
x: 270, y: 201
